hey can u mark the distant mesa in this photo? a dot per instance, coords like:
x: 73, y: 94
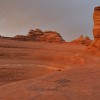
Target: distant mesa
x: 82, y: 40
x: 39, y: 35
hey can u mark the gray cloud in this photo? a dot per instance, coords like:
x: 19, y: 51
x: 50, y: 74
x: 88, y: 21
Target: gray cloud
x: 68, y: 17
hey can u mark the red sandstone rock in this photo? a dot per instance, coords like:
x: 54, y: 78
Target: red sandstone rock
x: 39, y: 35
x: 95, y: 45
x: 20, y: 37
x: 50, y: 36
x: 96, y: 17
x: 87, y: 41
x: 36, y: 32
x: 96, y: 30
x: 81, y: 40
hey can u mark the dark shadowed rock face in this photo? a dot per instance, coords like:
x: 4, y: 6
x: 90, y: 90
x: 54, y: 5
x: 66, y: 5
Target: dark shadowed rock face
x: 36, y: 32
x: 97, y: 8
x: 33, y: 34
x: 39, y: 35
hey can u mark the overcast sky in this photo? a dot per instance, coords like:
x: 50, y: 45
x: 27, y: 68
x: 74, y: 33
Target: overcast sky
x: 70, y: 18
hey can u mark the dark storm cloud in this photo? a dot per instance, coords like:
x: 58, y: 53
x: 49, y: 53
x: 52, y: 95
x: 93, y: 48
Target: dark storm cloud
x: 71, y: 18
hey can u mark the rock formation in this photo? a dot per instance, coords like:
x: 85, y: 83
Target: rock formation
x: 36, y: 32
x: 81, y: 40
x: 50, y: 36
x: 87, y: 41
x: 96, y: 30
x: 95, y: 45
x: 39, y: 35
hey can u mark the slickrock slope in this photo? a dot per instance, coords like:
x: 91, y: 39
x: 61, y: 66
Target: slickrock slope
x: 81, y: 40
x: 47, y: 71
x: 39, y: 35
x: 95, y: 46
